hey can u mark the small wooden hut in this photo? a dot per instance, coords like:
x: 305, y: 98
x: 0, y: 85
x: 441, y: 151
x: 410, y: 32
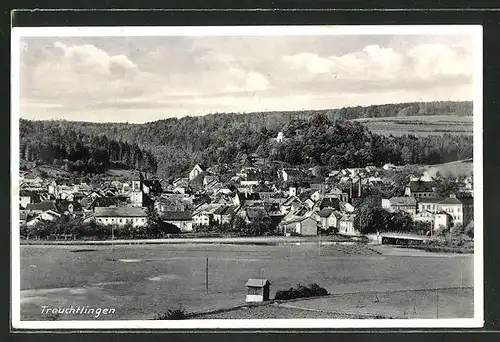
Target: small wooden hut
x: 257, y: 290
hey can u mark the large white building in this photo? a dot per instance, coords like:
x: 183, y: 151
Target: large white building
x: 121, y: 216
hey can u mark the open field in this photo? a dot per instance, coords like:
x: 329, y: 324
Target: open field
x: 139, y: 280
x: 440, y: 303
x: 59, y: 173
x: 419, y: 125
x: 457, y: 168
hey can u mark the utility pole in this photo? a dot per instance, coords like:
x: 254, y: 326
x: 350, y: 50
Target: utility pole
x: 206, y: 275
x: 462, y: 274
x: 437, y: 304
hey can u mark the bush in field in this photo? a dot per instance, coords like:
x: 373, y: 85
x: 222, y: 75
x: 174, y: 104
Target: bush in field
x: 301, y: 291
x: 175, y: 314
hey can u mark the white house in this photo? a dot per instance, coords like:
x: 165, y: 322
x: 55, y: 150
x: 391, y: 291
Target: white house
x: 346, y: 225
x: 121, y: 216
x: 280, y: 137
x: 461, y: 210
x: 197, y: 169
x: 328, y: 218
x: 305, y: 226
x: 442, y: 221
x: 204, y: 214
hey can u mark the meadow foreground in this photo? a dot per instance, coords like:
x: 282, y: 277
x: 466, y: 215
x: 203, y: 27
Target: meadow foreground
x: 138, y: 281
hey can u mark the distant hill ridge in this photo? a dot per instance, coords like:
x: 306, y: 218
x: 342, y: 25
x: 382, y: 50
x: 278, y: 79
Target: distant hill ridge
x: 179, y: 143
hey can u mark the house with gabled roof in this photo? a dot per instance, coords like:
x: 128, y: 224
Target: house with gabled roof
x: 424, y: 216
x: 461, y: 210
x: 121, y: 216
x: 224, y: 214
x: 196, y: 171
x: 305, y: 226
x: 291, y: 203
x: 442, y: 221
x: 430, y: 204
x: 183, y: 220
x: 328, y: 202
x: 34, y: 218
x: 420, y: 189
x: 335, y: 192
x: 246, y: 198
x: 400, y: 204
x: 346, y: 225
x: 26, y: 197
x: 203, y: 215
x: 328, y: 218
x: 41, y: 207
x: 289, y: 175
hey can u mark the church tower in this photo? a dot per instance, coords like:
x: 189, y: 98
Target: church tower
x: 137, y: 195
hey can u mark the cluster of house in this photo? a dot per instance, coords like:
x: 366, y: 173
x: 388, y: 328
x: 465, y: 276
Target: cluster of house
x: 423, y: 204
x: 201, y: 199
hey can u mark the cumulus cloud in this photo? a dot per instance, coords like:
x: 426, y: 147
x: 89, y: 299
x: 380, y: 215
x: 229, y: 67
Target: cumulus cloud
x: 92, y: 59
x: 196, y: 75
x: 373, y: 62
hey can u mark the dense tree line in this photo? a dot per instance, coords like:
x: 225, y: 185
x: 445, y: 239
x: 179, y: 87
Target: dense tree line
x: 349, y: 144
x: 320, y: 137
x: 61, y: 145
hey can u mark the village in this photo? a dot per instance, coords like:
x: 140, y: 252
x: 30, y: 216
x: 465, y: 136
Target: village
x: 296, y: 202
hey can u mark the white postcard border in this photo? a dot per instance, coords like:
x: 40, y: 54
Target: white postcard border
x: 475, y: 31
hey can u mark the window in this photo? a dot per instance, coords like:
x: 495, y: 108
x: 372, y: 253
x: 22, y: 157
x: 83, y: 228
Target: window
x: 121, y: 220
x: 253, y: 291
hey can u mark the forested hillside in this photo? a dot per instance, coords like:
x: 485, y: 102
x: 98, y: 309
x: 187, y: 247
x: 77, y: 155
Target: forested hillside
x: 71, y: 149
x: 312, y: 137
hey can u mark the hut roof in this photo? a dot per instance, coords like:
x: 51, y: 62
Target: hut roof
x: 257, y: 282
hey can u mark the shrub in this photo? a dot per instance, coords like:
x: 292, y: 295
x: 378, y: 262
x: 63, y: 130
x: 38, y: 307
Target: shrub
x: 301, y: 291
x: 175, y: 314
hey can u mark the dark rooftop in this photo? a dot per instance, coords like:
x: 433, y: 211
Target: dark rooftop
x: 119, y: 212
x: 176, y: 216
x: 43, y: 206
x: 326, y: 212
x: 420, y: 186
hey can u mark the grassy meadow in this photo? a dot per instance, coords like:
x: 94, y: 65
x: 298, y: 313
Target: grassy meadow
x: 138, y: 281
x: 419, y: 125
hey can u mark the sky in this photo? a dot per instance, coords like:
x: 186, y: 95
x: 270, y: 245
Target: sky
x: 141, y: 79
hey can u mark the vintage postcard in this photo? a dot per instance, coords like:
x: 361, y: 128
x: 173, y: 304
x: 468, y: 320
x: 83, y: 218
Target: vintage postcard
x: 263, y: 177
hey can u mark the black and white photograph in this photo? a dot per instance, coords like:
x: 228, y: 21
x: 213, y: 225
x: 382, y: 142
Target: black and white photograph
x: 239, y: 177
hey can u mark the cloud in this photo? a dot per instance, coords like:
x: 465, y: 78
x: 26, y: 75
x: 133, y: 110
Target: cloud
x: 424, y: 61
x: 435, y: 60
x: 92, y: 59
x: 157, y: 77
